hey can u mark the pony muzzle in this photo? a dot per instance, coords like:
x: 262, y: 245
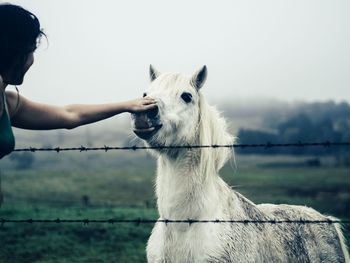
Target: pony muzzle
x: 145, y: 124
x: 146, y: 133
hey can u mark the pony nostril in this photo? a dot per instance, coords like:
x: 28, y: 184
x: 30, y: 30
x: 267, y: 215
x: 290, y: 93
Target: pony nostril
x: 153, y: 112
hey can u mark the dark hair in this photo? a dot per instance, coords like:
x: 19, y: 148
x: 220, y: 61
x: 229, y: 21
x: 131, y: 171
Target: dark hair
x: 19, y: 33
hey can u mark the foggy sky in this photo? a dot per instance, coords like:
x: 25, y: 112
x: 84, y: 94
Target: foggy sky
x: 99, y: 51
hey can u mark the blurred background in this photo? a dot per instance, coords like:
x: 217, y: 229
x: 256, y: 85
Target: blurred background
x: 278, y: 72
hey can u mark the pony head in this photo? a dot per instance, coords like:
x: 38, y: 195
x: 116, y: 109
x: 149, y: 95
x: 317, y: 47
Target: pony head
x: 183, y: 117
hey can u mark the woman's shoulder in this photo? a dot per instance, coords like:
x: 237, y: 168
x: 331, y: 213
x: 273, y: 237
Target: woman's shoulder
x: 12, y: 101
x: 10, y: 95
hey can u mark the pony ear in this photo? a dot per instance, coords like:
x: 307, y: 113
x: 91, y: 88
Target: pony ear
x: 153, y: 73
x: 199, y: 78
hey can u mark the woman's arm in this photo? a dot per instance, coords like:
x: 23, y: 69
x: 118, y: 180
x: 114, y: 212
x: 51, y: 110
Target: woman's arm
x: 36, y: 116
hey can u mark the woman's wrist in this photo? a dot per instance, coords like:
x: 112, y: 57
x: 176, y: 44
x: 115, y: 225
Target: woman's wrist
x: 124, y: 106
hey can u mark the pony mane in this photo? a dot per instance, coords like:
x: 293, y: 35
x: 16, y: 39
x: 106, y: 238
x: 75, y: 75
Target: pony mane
x: 213, y: 131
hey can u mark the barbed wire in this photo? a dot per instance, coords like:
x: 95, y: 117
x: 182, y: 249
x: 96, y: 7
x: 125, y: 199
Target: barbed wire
x: 242, y: 146
x: 170, y: 221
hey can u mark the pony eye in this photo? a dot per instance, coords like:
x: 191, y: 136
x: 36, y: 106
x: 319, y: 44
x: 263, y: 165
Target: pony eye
x: 187, y: 97
x: 144, y: 94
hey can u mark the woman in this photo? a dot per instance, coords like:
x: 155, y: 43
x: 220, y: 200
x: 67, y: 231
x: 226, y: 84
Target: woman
x: 19, y: 34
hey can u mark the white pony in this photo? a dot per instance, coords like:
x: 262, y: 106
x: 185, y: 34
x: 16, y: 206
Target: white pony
x: 188, y: 186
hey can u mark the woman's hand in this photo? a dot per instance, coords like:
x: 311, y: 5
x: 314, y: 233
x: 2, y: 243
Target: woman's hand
x: 139, y: 105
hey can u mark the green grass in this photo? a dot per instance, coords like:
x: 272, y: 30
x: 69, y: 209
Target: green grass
x: 129, y: 193
x: 123, y: 187
x: 74, y: 242
x: 325, y: 189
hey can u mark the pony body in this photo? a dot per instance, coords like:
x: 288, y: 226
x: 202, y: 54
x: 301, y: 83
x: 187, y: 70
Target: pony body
x: 188, y: 186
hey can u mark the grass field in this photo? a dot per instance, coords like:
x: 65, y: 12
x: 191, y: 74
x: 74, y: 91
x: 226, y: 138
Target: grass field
x: 128, y: 193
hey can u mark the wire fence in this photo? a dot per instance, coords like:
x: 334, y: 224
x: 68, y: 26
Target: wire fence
x: 160, y: 147
x: 169, y: 221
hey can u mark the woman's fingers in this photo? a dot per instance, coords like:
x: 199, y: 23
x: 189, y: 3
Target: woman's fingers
x: 150, y: 106
x: 142, y: 104
x: 149, y: 101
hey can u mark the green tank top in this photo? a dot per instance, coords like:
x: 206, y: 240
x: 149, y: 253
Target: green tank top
x: 7, y: 140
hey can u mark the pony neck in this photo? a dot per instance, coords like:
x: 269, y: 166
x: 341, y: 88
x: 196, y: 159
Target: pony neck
x: 183, y: 191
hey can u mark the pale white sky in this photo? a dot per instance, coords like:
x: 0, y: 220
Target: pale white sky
x: 99, y: 51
